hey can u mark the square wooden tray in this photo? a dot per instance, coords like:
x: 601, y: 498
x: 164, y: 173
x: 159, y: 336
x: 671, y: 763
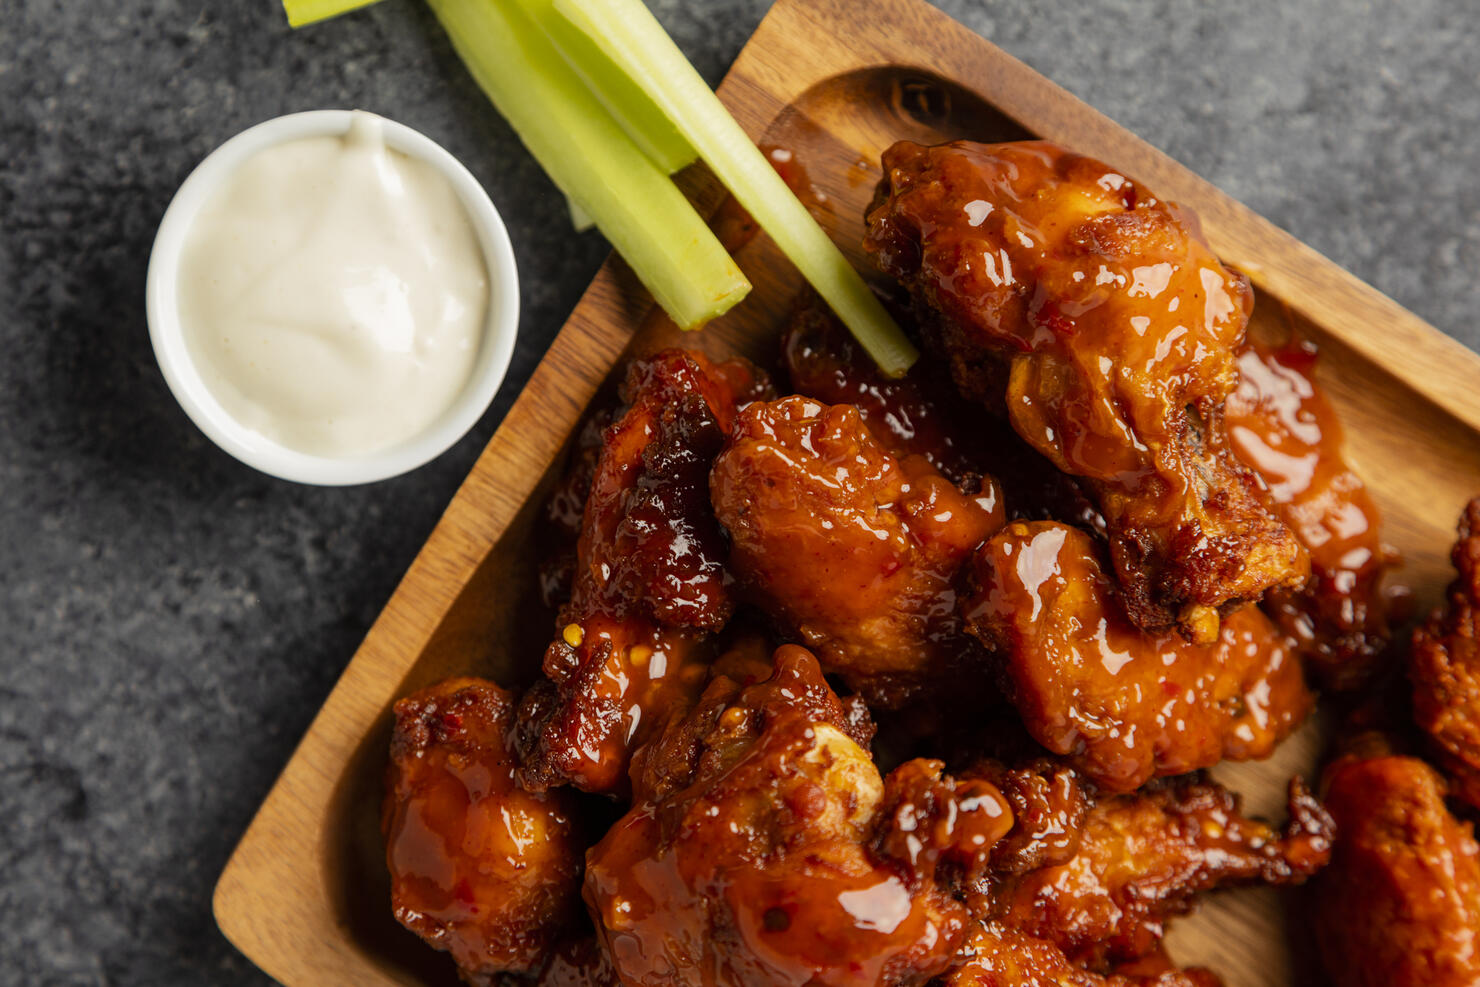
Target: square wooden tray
x: 306, y: 894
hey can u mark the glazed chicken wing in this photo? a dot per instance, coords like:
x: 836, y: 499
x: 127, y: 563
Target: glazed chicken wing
x: 921, y: 415
x: 1400, y: 904
x: 772, y: 853
x: 649, y: 586
x: 1445, y: 668
x: 1139, y: 860
x: 1122, y: 704
x: 1281, y: 426
x: 852, y: 549
x: 908, y: 415
x: 1077, y: 893
x: 479, y: 867
x: 1097, y: 317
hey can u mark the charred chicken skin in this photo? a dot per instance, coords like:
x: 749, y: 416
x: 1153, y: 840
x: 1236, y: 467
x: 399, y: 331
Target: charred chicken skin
x: 1445, y: 668
x: 650, y: 585
x: 1122, y: 704
x: 1281, y: 425
x: 1400, y: 904
x: 479, y: 868
x: 1098, y: 319
x: 853, y: 550
x: 771, y: 852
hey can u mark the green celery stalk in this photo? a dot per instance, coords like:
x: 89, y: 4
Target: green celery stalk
x: 593, y: 161
x: 647, y: 125
x: 579, y: 221
x: 301, y: 12
x: 627, y: 31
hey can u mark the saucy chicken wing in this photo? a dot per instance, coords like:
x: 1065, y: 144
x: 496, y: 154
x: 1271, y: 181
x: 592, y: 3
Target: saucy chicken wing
x: 771, y: 852
x: 1097, y: 317
x: 1122, y: 704
x: 1399, y: 906
x: 1079, y: 890
x: 650, y: 585
x: 921, y: 415
x: 853, y: 550
x: 1445, y: 668
x: 479, y: 867
x: 908, y: 415
x: 1281, y: 426
x: 1139, y: 860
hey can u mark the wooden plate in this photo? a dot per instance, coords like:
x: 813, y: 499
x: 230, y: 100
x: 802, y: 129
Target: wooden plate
x: 834, y: 81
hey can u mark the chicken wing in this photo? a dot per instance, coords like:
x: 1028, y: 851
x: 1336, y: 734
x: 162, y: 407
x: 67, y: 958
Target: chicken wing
x: 1139, y: 860
x: 650, y: 585
x: 921, y: 415
x: 1097, y: 317
x: 1400, y: 904
x: 1281, y: 426
x: 1122, y: 704
x: 479, y: 867
x: 853, y: 550
x: 908, y: 415
x: 774, y: 854
x: 1445, y: 668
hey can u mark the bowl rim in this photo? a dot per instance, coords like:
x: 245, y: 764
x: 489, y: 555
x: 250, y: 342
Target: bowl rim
x: 496, y: 346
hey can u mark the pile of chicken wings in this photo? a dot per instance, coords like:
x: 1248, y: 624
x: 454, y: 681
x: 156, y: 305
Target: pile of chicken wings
x: 871, y: 681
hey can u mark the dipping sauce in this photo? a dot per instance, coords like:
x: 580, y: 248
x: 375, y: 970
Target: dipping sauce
x: 333, y: 293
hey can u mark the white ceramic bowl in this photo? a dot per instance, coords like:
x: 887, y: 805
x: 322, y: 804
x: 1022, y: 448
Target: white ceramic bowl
x: 254, y: 449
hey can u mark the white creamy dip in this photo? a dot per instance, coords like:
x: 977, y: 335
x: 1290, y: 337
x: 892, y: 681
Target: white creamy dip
x: 333, y: 293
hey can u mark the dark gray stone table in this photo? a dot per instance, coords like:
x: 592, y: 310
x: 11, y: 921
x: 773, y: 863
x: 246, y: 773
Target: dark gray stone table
x: 170, y: 620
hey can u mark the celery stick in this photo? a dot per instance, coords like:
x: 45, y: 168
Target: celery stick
x: 301, y: 12
x: 636, y: 42
x: 593, y: 161
x: 634, y: 109
x: 580, y: 221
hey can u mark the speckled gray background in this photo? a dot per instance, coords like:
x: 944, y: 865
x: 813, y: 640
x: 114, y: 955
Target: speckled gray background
x: 170, y: 620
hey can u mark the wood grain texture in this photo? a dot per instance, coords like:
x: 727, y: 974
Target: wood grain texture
x: 835, y: 81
